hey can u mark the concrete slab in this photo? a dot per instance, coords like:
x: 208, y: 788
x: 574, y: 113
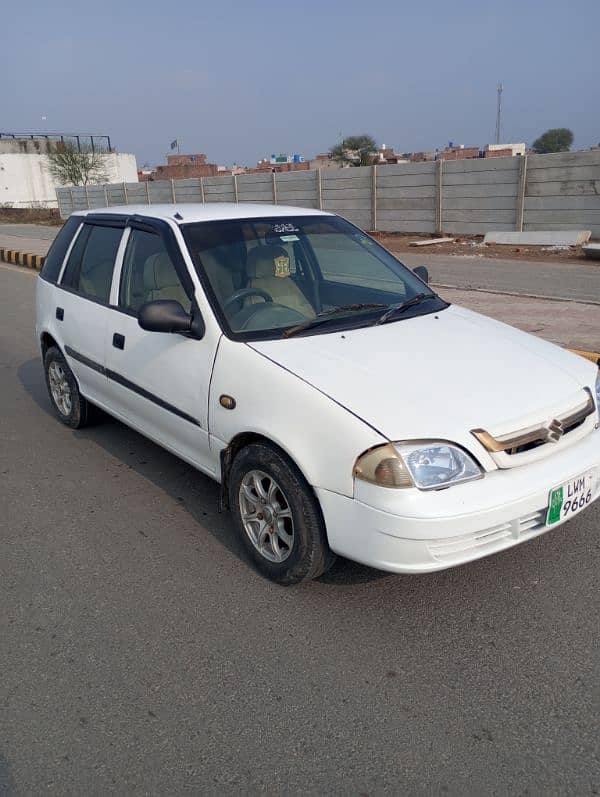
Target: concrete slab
x: 430, y: 241
x: 540, y: 238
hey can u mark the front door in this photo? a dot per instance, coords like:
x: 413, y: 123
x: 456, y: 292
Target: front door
x: 159, y: 381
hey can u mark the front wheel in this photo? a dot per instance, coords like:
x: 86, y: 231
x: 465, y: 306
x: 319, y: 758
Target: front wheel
x: 278, y: 516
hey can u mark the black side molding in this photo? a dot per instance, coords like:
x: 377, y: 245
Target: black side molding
x: 121, y: 380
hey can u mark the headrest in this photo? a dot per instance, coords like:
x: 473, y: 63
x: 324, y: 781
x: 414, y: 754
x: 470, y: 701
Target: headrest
x: 268, y: 261
x: 159, y: 272
x: 221, y: 257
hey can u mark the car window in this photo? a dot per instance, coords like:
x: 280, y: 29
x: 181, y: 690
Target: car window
x: 56, y: 254
x: 90, y: 266
x: 148, y: 273
x: 267, y: 274
x: 351, y: 259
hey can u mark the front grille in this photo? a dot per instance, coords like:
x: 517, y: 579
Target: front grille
x: 566, y: 428
x: 516, y: 447
x: 480, y: 543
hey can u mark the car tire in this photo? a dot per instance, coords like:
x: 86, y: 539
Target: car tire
x: 278, y: 516
x: 69, y: 405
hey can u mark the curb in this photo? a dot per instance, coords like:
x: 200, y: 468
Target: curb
x: 37, y: 261
x: 518, y: 295
x: 22, y: 259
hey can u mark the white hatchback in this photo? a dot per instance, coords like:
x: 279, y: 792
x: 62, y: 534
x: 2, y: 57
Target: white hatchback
x: 344, y: 407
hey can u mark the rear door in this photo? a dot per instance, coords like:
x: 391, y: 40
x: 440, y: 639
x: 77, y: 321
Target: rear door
x: 82, y: 304
x: 159, y: 381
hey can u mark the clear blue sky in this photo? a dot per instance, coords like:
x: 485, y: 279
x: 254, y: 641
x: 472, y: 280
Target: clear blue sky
x: 239, y: 80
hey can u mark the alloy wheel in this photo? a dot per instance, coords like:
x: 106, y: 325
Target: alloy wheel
x: 266, y: 516
x: 60, y: 388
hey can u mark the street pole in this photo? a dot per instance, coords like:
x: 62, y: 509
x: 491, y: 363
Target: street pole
x: 498, y: 113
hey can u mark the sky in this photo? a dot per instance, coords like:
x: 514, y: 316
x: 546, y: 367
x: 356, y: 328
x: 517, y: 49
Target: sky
x: 241, y: 80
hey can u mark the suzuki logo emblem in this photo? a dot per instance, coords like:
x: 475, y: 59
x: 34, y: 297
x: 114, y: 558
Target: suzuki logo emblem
x: 555, y: 431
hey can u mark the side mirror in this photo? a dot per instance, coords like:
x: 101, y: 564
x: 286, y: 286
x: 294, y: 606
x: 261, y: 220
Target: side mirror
x: 422, y: 273
x: 164, y: 315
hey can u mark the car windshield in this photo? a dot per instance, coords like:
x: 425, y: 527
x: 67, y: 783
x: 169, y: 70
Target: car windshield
x: 282, y: 276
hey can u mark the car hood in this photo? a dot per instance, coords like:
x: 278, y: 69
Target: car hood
x: 434, y: 376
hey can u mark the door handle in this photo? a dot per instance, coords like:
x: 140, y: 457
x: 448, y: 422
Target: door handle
x: 60, y: 313
x: 118, y: 341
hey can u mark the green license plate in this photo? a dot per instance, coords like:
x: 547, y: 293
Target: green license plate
x: 571, y: 497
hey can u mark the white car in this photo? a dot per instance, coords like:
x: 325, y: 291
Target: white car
x: 344, y: 407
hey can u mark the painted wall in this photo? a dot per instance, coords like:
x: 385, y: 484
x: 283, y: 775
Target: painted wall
x: 25, y: 181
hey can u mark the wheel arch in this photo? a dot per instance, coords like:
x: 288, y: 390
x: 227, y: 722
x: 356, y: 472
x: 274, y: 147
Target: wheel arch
x: 242, y: 440
x: 46, y: 342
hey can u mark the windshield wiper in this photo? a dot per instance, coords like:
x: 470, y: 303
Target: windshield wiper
x: 324, y: 316
x: 400, y: 308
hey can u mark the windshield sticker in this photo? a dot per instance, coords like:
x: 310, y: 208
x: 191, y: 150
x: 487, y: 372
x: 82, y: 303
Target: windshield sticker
x: 289, y: 238
x: 283, y: 228
x: 362, y: 239
x: 282, y: 266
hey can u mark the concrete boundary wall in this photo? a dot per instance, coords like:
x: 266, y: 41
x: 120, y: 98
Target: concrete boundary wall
x: 533, y: 192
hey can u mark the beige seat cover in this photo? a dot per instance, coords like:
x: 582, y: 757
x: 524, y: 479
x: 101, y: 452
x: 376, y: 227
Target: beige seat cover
x: 161, y: 281
x: 264, y: 262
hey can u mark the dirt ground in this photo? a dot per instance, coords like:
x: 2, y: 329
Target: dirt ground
x: 48, y: 216
x: 473, y: 245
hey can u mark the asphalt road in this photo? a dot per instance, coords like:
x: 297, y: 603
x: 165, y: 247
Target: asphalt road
x: 140, y: 654
x: 41, y: 231
x: 563, y: 280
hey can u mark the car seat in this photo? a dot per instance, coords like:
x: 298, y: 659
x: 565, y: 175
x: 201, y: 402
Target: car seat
x: 161, y: 281
x: 96, y: 279
x: 268, y: 269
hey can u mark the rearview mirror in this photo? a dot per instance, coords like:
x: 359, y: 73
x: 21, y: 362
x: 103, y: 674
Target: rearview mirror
x: 422, y: 273
x: 164, y: 315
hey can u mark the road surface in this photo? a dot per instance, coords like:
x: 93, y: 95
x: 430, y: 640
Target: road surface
x: 140, y: 654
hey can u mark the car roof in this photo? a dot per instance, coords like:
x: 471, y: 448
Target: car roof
x: 189, y: 212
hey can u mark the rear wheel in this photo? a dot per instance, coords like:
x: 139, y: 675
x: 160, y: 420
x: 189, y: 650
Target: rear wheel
x: 70, y: 406
x: 278, y: 516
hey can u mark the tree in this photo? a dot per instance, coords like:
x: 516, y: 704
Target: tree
x: 355, y: 151
x: 558, y: 139
x: 72, y: 165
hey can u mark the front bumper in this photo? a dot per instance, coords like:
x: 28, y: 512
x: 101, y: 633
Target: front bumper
x: 411, y: 531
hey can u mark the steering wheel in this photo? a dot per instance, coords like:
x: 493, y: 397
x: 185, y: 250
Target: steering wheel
x: 243, y: 293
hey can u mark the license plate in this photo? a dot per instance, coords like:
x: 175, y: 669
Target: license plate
x: 571, y: 497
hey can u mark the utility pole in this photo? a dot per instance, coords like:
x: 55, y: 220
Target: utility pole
x: 498, y: 113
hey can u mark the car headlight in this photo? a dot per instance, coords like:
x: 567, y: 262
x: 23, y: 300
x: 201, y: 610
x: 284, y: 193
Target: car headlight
x: 598, y: 391
x: 428, y: 465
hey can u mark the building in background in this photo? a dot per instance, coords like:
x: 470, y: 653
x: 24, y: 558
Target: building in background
x: 324, y: 161
x: 423, y: 157
x: 280, y: 163
x: 387, y: 155
x: 181, y: 167
x: 504, y: 150
x: 456, y: 153
x: 24, y: 178
x: 459, y: 153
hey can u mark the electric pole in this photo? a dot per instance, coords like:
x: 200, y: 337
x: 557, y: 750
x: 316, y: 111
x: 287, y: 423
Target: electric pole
x: 498, y: 113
